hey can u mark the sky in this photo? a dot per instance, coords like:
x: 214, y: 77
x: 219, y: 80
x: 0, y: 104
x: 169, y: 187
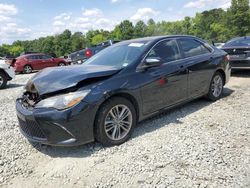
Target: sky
x: 30, y: 19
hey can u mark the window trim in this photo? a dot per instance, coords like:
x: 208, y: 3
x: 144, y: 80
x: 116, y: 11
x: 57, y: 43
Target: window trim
x: 198, y: 41
x: 210, y: 49
x: 138, y: 68
x: 177, y: 45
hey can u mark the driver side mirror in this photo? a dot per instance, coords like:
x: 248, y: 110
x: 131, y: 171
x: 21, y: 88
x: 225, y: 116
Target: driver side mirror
x: 152, y: 62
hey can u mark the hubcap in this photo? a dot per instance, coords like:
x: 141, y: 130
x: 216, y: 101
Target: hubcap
x: 217, y: 86
x: 28, y: 69
x: 1, y: 80
x: 118, y: 122
x: 61, y: 64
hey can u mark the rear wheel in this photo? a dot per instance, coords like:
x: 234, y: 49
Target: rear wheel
x: 3, y: 80
x: 27, y: 69
x: 216, y: 87
x: 61, y: 64
x: 115, y: 121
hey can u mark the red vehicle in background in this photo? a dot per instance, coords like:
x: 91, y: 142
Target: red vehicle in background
x: 37, y: 61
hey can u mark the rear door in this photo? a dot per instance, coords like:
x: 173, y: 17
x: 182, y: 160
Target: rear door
x: 47, y: 61
x: 165, y: 85
x: 199, y: 62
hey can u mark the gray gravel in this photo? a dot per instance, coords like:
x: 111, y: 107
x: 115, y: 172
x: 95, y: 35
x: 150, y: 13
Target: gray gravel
x: 200, y: 144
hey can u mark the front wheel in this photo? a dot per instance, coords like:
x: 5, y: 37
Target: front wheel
x: 115, y: 121
x: 216, y: 87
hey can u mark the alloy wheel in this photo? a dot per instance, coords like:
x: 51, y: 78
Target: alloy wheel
x: 27, y: 69
x: 217, y: 86
x: 118, y: 122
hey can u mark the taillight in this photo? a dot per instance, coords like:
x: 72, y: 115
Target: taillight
x: 227, y: 58
x: 88, y: 53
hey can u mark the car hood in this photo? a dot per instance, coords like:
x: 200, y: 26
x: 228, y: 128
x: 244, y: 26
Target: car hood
x: 51, y: 80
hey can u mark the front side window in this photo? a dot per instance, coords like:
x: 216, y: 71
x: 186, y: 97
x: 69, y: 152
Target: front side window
x: 167, y: 51
x: 192, y: 47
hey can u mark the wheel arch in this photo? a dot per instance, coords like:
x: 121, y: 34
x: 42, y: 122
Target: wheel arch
x: 28, y: 65
x: 222, y: 72
x: 125, y: 95
x: 61, y: 62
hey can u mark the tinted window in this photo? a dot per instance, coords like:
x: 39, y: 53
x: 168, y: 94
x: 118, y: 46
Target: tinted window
x: 192, y: 47
x: 166, y: 50
x: 46, y: 57
x: 239, y: 42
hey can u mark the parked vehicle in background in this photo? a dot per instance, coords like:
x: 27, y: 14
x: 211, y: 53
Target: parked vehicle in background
x: 219, y: 45
x: 239, y: 52
x: 29, y: 62
x: 66, y: 58
x: 104, y: 98
x: 7, y: 73
x: 81, y: 56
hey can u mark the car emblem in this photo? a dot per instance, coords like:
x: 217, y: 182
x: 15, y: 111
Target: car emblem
x: 234, y: 50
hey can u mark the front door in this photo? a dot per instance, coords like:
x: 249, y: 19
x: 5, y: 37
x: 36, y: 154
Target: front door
x: 166, y: 85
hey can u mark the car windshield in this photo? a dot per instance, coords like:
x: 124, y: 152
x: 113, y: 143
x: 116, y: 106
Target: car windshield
x: 120, y: 55
x: 239, y: 42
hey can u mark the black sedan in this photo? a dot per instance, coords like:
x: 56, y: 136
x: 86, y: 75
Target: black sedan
x: 106, y: 97
x: 239, y: 52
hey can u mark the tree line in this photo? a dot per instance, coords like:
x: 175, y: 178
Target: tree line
x: 214, y: 25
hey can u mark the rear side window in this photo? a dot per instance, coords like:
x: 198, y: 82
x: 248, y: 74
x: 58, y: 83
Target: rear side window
x: 46, y: 57
x: 192, y: 47
x: 166, y: 50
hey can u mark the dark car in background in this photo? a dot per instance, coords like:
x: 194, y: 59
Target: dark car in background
x: 239, y: 52
x: 81, y: 56
x: 106, y: 97
x: 36, y: 61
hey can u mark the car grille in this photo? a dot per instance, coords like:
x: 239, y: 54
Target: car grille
x: 237, y: 51
x: 31, y: 128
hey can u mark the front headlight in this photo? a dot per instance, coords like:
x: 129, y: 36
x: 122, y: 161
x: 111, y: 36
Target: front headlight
x: 63, y: 102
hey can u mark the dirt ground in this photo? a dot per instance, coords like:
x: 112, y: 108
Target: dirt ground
x: 200, y: 144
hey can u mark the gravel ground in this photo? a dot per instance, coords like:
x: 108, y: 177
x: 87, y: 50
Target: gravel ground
x: 200, y: 144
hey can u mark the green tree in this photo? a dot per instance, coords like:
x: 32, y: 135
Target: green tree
x: 77, y: 41
x: 151, y: 25
x: 98, y: 38
x: 140, y: 29
x: 239, y: 17
x: 127, y: 30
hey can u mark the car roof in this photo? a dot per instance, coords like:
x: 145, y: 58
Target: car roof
x: 27, y: 55
x: 155, y: 38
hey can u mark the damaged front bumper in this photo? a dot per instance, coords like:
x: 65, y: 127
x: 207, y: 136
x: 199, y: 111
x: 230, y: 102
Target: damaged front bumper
x: 49, y: 126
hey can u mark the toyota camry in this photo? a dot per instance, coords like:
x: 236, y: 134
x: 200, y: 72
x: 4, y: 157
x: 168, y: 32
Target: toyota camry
x: 106, y: 97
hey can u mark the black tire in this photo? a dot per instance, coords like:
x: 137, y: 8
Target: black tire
x: 211, y: 94
x: 61, y: 64
x: 27, y: 69
x: 100, y: 133
x: 3, y: 80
